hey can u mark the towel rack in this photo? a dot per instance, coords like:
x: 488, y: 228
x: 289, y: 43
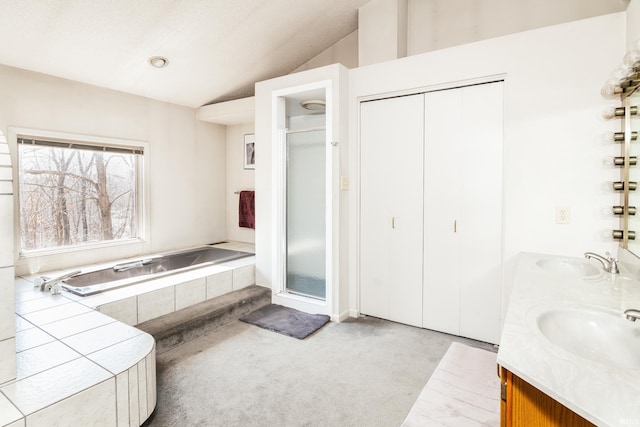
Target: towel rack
x: 239, y: 191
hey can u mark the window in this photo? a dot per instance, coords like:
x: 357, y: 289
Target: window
x: 75, y: 193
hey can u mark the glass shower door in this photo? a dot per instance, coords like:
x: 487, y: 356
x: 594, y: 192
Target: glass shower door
x: 305, y: 213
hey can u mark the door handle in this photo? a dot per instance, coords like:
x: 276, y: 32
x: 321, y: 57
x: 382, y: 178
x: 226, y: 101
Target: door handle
x: 455, y: 226
x: 393, y: 222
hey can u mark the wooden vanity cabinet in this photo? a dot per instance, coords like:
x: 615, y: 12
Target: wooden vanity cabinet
x: 522, y: 405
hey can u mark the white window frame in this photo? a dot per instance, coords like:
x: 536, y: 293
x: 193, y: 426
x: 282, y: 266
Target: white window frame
x: 142, y: 180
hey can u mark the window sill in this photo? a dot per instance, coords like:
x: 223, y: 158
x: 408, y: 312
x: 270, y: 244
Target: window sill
x: 34, y: 262
x: 78, y: 248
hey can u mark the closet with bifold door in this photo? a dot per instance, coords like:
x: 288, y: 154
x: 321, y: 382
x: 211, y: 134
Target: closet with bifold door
x: 391, y: 201
x: 431, y: 209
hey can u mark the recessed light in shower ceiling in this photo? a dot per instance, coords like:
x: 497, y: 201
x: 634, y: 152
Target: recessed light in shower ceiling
x: 313, y: 105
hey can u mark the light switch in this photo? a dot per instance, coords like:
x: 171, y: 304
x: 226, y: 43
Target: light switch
x: 344, y: 182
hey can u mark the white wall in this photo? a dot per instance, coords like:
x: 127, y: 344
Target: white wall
x: 438, y: 24
x: 238, y: 179
x: 553, y: 154
x: 7, y: 287
x: 428, y: 25
x: 633, y: 23
x: 344, y: 52
x: 186, y: 159
x: 382, y: 25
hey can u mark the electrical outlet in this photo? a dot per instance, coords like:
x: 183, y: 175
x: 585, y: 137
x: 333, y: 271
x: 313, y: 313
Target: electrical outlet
x: 563, y: 215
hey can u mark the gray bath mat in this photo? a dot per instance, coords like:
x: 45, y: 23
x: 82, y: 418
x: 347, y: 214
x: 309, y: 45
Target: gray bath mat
x: 286, y: 321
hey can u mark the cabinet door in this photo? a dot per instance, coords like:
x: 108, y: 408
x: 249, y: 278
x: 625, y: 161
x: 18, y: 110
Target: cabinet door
x: 391, y: 198
x: 525, y: 405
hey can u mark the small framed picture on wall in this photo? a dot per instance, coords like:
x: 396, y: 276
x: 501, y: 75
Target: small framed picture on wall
x: 249, y: 151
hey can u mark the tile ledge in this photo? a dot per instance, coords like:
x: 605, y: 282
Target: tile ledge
x: 134, y: 362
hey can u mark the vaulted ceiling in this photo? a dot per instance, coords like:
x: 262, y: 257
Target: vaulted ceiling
x: 217, y: 49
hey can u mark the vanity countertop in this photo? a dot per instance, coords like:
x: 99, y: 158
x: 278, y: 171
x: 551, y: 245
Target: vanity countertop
x: 603, y: 394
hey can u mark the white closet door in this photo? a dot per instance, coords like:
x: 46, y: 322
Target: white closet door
x: 481, y: 211
x: 391, y: 215
x: 442, y: 264
x: 463, y: 211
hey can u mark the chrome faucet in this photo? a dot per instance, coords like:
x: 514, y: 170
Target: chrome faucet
x: 48, y: 283
x: 632, y: 314
x: 609, y: 264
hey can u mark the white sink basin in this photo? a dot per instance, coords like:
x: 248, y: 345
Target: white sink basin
x: 591, y: 333
x: 569, y: 267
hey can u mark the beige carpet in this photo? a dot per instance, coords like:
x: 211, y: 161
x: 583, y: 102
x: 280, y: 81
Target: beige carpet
x: 363, y: 372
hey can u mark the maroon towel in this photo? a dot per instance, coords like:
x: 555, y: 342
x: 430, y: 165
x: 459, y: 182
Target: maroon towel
x: 247, y: 209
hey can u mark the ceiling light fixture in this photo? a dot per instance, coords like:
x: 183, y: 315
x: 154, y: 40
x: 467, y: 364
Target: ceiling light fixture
x: 158, y: 61
x: 314, y: 105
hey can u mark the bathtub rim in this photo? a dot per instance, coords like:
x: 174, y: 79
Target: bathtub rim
x: 87, y: 291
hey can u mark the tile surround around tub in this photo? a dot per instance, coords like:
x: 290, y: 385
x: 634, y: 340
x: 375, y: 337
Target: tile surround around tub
x: 74, y: 323
x: 174, y: 292
x: 142, y: 390
x: 8, y: 357
x: 219, y: 284
x: 55, y: 313
x: 95, y: 406
x: 43, y: 357
x: 155, y: 304
x: 134, y: 407
x: 23, y: 285
x: 7, y: 325
x: 8, y: 413
x: 6, y: 174
x: 77, y: 324
x: 243, y: 277
x: 101, y: 337
x: 37, y: 304
x: 6, y: 187
x: 6, y: 224
x: 30, y: 338
x: 124, y: 310
x: 151, y: 299
x: 190, y: 293
x: 29, y: 295
x: 151, y: 381
x: 117, y: 358
x: 5, y: 157
x: 54, y: 385
x: 70, y: 392
x: 7, y: 319
x: 122, y: 398
x: 23, y: 324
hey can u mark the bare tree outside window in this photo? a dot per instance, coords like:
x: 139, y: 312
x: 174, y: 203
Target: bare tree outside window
x: 75, y: 196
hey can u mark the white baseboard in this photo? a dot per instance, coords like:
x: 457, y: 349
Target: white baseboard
x: 341, y: 317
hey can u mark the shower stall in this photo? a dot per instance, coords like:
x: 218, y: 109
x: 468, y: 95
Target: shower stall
x: 301, y: 145
x: 304, y: 158
x: 305, y: 213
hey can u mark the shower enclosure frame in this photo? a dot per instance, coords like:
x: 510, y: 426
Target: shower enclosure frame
x: 270, y: 120
x: 279, y: 267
